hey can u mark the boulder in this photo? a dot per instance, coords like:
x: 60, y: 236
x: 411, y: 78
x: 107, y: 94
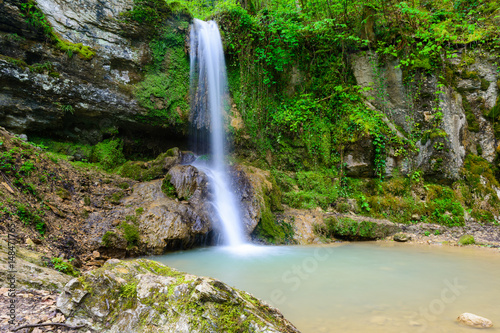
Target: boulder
x: 401, y: 237
x: 359, y: 227
x: 473, y: 320
x: 145, y: 296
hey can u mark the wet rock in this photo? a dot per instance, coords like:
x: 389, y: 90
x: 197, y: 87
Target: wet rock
x: 475, y: 321
x: 401, y: 237
x: 441, y: 152
x: 154, y: 297
x: 352, y: 227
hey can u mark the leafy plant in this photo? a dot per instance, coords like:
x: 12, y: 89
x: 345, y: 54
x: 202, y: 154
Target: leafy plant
x: 64, y: 266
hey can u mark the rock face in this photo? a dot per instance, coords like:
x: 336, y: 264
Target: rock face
x: 144, y: 296
x: 473, y: 320
x: 30, y: 272
x: 43, y: 88
x: 451, y: 117
x: 178, y: 217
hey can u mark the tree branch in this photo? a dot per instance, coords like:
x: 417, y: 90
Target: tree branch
x: 46, y: 324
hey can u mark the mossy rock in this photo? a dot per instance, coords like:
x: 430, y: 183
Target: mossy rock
x: 168, y: 188
x: 466, y: 240
x: 145, y: 296
x: 350, y: 229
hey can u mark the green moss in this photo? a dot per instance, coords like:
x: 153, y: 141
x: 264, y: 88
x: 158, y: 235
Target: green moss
x: 470, y: 75
x: 37, y: 20
x: 482, y: 215
x: 314, y: 189
x: 14, y: 61
x: 275, y: 196
x: 479, y: 149
x: 168, y: 188
x: 475, y: 167
x: 116, y: 197
x: 63, y: 193
x: 108, y: 238
x: 165, y: 89
x: 466, y: 240
x: 346, y: 228
x: 129, y: 290
x: 270, y: 229
x: 131, y: 234
x: 124, y: 185
x: 485, y: 84
x: 109, y: 153
x: 144, y: 171
x: 472, y: 123
x: 437, y: 133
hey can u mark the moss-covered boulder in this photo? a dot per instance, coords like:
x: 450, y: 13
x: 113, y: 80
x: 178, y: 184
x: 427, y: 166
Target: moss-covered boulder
x: 144, y: 296
x: 466, y: 240
x: 357, y: 228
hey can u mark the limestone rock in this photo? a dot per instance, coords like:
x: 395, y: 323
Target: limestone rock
x: 473, y: 320
x: 401, y: 237
x: 441, y: 152
x: 353, y: 227
x: 30, y: 272
x: 145, y: 296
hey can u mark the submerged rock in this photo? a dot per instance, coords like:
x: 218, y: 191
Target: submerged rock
x: 473, y: 320
x: 145, y: 296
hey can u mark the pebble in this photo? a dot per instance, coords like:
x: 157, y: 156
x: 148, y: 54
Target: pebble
x: 473, y: 320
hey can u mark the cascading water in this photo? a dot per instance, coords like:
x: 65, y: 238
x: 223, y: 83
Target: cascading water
x: 209, y: 95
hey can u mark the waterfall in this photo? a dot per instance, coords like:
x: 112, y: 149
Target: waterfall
x: 209, y: 96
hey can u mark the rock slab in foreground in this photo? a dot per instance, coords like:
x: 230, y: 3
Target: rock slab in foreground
x: 473, y: 320
x: 145, y: 296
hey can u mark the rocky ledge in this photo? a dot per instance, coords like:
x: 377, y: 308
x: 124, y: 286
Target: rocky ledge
x: 145, y: 296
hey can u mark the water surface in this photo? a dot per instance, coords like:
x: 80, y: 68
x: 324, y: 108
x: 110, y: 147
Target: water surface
x: 361, y: 287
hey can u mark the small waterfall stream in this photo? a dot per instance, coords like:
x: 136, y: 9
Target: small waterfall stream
x: 209, y: 96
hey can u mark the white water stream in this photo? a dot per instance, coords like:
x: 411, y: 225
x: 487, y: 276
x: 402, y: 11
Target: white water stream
x: 209, y: 94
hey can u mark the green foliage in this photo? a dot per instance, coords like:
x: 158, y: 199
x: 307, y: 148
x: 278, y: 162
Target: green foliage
x: 314, y: 189
x: 131, y: 234
x: 109, y: 153
x: 27, y: 168
x: 64, y: 266
x: 347, y: 228
x: 168, y: 188
x: 165, y: 89
x: 150, y: 12
x: 30, y: 216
